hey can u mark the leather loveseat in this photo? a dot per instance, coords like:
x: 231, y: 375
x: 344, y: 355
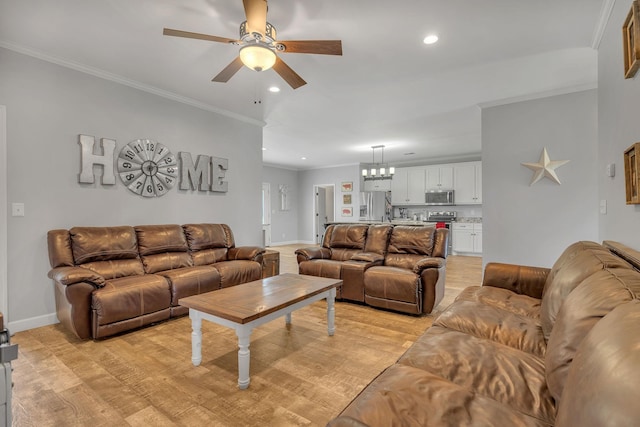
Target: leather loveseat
x: 113, y: 279
x: 397, y: 267
x: 530, y: 347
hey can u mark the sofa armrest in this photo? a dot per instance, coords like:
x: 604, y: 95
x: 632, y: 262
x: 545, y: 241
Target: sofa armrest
x: 72, y: 275
x: 250, y: 253
x: 431, y: 262
x: 520, y: 279
x: 313, y: 252
x: 368, y: 257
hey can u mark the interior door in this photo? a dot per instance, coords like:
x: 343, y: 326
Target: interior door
x: 320, y: 213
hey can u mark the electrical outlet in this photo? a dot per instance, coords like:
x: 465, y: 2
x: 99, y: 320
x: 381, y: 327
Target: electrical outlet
x: 603, y: 207
x: 17, y: 209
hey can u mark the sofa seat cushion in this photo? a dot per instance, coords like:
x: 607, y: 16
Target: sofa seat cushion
x: 321, y: 268
x: 504, y: 299
x: 393, y: 288
x: 130, y: 297
x: 419, y: 398
x: 509, y: 376
x: 188, y: 281
x: 493, y: 323
x: 238, y: 271
x: 596, y: 296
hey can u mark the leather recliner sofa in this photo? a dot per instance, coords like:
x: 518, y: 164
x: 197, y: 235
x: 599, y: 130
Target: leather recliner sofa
x: 113, y: 279
x: 401, y: 268
x: 530, y: 347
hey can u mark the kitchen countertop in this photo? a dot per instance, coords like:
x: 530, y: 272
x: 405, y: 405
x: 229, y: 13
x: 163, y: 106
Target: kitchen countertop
x: 410, y: 221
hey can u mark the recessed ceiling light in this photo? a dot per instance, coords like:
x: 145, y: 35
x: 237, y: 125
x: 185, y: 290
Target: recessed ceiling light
x: 303, y: 158
x: 431, y: 39
x: 274, y: 89
x: 264, y: 149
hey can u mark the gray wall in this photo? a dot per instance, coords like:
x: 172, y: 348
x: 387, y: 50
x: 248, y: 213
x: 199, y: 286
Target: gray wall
x: 310, y: 178
x: 532, y: 225
x: 618, y: 128
x: 284, y: 224
x: 47, y: 107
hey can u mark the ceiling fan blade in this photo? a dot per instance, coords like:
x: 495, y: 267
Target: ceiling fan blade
x: 290, y: 76
x: 224, y: 75
x: 190, y: 35
x: 322, y: 47
x: 256, y: 13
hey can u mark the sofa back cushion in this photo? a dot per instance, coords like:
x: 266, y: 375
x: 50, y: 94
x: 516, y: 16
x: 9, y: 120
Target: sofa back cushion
x: 409, y: 244
x: 602, y: 383
x: 594, y: 298
x: 162, y: 247
x: 208, y: 243
x: 378, y: 238
x: 345, y: 236
x: 579, y: 261
x: 109, y: 251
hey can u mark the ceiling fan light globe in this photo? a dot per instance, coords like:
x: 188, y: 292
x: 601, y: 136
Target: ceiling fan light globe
x: 257, y: 57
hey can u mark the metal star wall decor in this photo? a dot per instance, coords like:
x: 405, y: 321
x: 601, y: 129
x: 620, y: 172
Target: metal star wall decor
x: 545, y: 167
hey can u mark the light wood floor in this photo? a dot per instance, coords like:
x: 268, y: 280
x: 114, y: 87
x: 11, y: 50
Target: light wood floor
x: 299, y: 375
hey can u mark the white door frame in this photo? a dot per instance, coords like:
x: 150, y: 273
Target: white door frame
x: 266, y: 213
x: 315, y: 207
x: 4, y: 304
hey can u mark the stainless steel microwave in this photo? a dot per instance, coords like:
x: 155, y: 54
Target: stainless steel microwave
x: 439, y: 197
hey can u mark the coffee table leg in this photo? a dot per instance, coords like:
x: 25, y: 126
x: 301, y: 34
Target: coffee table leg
x: 196, y: 337
x: 243, y: 334
x: 331, y: 312
x: 287, y: 318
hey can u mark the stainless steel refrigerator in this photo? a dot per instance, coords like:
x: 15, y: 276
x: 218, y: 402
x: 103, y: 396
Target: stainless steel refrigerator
x: 375, y: 206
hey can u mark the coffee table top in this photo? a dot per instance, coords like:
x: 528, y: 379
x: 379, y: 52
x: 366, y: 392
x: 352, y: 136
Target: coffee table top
x: 249, y: 301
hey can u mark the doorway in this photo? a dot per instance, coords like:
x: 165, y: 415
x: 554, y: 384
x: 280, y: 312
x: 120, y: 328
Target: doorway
x: 323, y: 209
x: 266, y: 214
x: 4, y: 304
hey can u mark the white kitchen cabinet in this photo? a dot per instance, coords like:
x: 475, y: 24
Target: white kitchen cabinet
x: 407, y: 186
x: 468, y: 183
x: 439, y: 177
x: 378, y: 185
x: 467, y: 237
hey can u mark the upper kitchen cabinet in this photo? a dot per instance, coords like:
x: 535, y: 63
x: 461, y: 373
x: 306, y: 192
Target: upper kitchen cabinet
x: 468, y: 183
x: 408, y: 186
x: 439, y: 177
x: 378, y: 185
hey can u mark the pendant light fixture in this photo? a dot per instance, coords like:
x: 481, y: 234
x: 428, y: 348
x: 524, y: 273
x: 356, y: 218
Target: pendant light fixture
x: 378, y: 170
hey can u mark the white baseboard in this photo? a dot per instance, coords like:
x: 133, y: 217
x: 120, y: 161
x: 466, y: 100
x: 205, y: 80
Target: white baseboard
x: 31, y: 323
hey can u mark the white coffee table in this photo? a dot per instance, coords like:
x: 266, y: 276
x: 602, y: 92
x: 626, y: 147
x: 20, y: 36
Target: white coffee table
x: 247, y: 306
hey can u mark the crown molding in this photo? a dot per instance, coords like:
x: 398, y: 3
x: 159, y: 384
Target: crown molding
x: 603, y: 20
x: 96, y: 72
x: 539, y: 95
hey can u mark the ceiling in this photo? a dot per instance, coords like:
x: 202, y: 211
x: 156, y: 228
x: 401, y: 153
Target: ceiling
x: 388, y: 87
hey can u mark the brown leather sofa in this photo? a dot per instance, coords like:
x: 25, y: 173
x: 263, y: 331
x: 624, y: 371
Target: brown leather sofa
x: 113, y: 279
x: 399, y: 268
x: 530, y: 347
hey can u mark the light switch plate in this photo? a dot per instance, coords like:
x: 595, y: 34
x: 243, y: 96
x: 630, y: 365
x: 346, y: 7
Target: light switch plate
x: 17, y: 209
x: 603, y: 207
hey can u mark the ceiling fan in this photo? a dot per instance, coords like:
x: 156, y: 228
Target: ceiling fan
x: 259, y: 45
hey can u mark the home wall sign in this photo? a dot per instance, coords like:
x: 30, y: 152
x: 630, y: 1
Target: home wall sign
x: 149, y: 168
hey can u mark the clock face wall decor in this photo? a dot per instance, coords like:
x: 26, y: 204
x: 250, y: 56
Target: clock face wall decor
x: 147, y: 167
